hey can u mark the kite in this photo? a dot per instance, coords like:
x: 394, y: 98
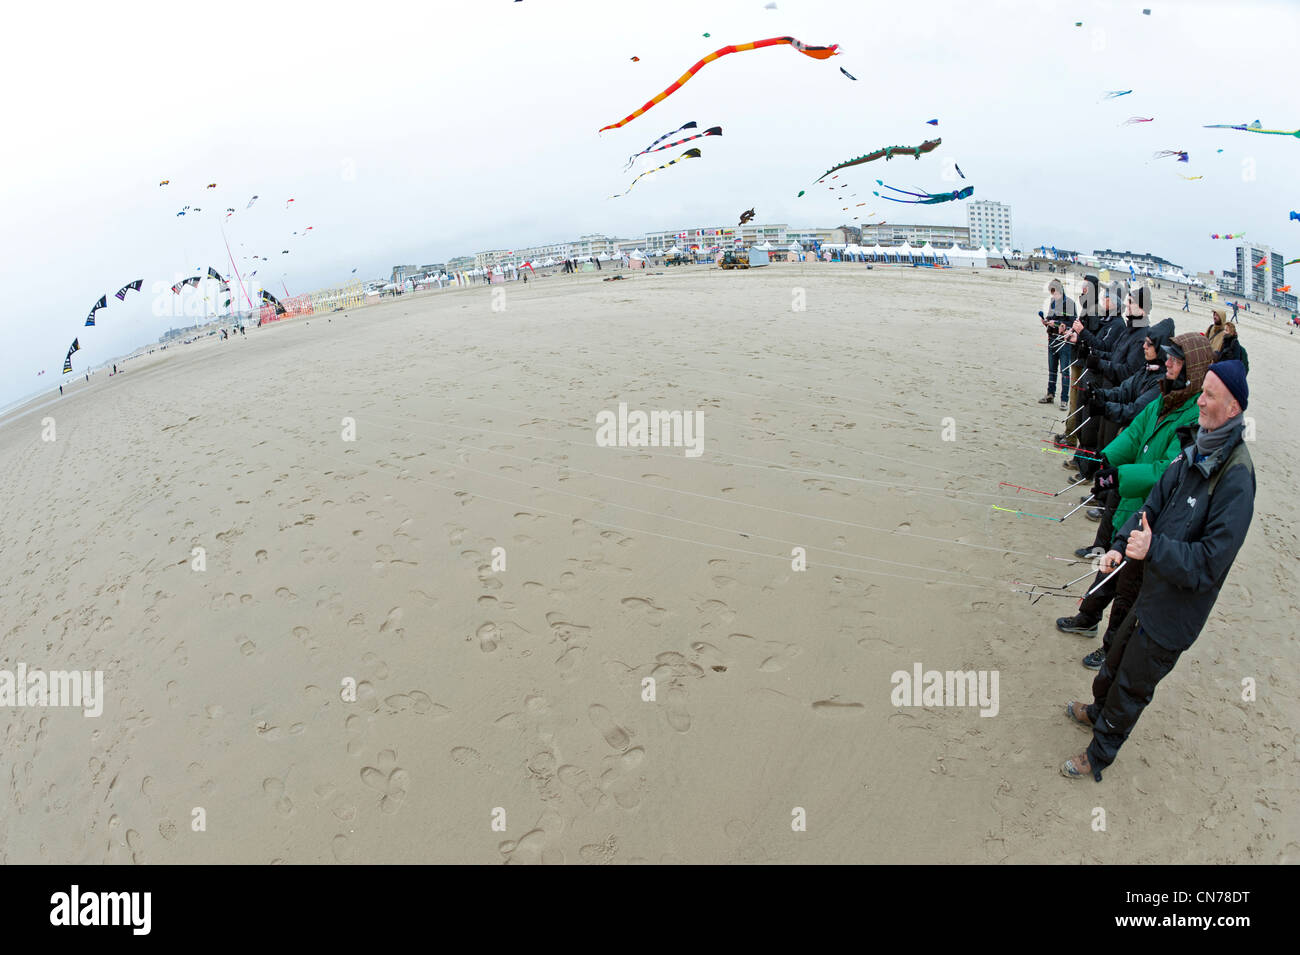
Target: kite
x: 689, y: 154
x: 926, y: 198
x: 1284, y: 288
x: 67, y: 361
x: 286, y: 205
x: 196, y: 209
x: 636, y: 59
x: 631, y: 159
x: 269, y: 299
x: 285, y: 252
x: 1134, y: 120
x: 1260, y: 263
x: 746, y: 216
x: 103, y: 302
x: 1164, y: 153
x: 1230, y: 235
x: 886, y: 151
x: 1189, y: 178
x: 134, y: 286
x: 181, y: 213
x: 1116, y: 94
x: 816, y: 52
x: 1294, y: 215
x: 959, y: 172
x: 801, y: 192
x: 711, y: 131
x: 848, y: 74
x: 1146, y: 12
x: 165, y: 182
x: 230, y: 208
x: 1255, y: 127
x: 250, y: 202
x: 193, y: 280
x: 212, y: 185
x: 214, y: 274
x: 932, y: 122
x: 1292, y: 262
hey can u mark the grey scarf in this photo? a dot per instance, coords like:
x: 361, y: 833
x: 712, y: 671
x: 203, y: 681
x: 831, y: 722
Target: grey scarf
x: 1208, y: 442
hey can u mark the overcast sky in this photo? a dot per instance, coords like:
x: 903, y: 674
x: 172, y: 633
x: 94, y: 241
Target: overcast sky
x: 410, y: 133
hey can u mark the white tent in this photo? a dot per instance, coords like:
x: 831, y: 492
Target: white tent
x: 638, y: 254
x: 975, y: 258
x: 766, y: 246
x: 794, y: 247
x: 673, y: 251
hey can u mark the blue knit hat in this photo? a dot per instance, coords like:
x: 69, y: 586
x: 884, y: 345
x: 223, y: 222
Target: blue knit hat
x: 1233, y: 375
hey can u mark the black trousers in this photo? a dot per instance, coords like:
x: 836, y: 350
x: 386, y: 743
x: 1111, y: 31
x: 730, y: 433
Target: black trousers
x: 1123, y: 688
x: 1122, y: 588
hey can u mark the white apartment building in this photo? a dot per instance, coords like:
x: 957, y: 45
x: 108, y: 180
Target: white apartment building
x: 989, y: 224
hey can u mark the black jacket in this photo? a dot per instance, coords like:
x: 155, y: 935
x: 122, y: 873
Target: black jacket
x: 1126, y: 356
x: 1195, y: 538
x: 1232, y: 349
x: 1125, y: 401
x: 1065, y: 312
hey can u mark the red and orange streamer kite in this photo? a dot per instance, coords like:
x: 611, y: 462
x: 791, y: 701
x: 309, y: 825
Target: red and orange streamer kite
x: 816, y: 52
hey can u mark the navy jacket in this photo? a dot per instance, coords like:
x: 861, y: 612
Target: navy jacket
x: 1195, y: 538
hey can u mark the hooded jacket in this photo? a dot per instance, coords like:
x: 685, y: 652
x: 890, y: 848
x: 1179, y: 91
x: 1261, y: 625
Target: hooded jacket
x: 1215, y: 332
x: 1198, y: 512
x: 1143, y: 450
x: 1125, y: 401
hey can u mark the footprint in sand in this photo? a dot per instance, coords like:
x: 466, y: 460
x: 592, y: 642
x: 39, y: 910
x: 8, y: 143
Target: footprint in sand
x: 603, y: 720
x: 390, y: 781
x: 645, y: 605
x: 675, y: 709
x: 275, y: 789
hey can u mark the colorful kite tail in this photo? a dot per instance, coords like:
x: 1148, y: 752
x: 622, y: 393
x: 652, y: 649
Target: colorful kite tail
x: 816, y: 52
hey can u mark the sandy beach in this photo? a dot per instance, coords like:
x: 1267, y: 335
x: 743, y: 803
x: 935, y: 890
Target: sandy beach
x: 499, y: 586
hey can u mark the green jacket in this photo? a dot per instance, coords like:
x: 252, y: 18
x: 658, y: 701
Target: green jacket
x: 1142, y: 452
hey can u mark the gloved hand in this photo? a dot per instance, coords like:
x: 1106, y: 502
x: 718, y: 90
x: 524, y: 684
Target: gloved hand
x: 1105, y: 480
x: 1096, y: 407
x: 1094, y: 363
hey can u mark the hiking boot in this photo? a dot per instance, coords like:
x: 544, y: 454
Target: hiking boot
x: 1059, y: 438
x: 1046, y: 399
x: 1067, y: 463
x: 1094, y: 660
x: 1065, y: 406
x: 1095, y: 513
x: 1077, y: 624
x: 1088, y: 553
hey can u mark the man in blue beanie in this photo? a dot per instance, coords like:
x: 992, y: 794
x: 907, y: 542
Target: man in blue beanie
x: 1187, y: 534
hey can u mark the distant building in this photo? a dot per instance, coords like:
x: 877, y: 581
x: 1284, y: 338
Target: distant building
x: 460, y: 263
x: 988, y: 224
x: 1259, y: 275
x: 403, y: 272
x: 891, y: 233
x: 1141, y: 261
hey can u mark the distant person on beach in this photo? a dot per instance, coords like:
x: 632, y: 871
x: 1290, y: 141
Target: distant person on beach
x: 1234, y: 311
x: 1187, y: 535
x: 1216, y: 330
x: 60, y: 389
x: 1186, y: 302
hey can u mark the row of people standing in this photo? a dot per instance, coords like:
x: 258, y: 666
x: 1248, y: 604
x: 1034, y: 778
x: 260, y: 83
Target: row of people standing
x: 1155, y: 421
